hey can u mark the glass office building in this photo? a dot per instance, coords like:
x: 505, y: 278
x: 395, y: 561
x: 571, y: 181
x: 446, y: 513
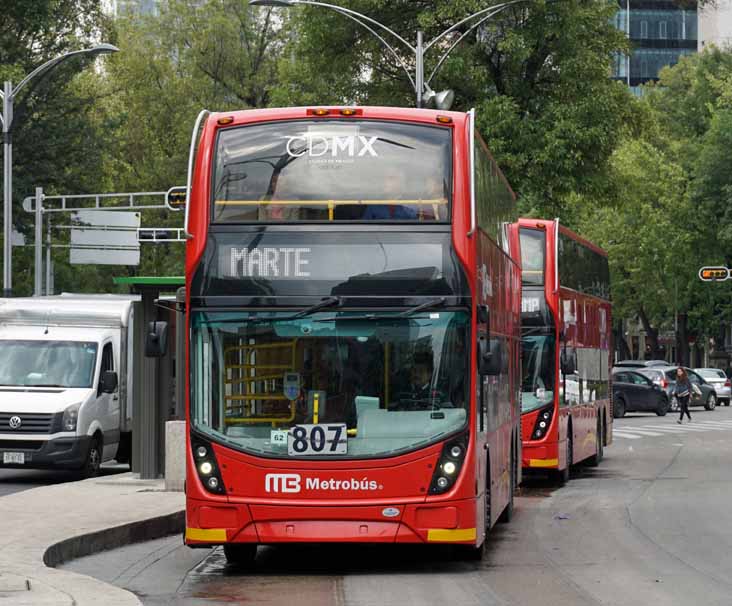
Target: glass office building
x: 660, y: 34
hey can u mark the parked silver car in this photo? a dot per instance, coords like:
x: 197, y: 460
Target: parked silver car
x: 719, y: 381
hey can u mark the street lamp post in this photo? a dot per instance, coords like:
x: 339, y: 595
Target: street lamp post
x: 8, y: 96
x: 421, y: 87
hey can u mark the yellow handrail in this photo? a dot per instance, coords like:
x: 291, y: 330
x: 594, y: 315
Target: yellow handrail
x: 328, y: 203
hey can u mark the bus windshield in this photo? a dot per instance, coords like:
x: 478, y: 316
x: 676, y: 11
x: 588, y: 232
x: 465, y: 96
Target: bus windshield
x: 48, y: 363
x: 332, y: 170
x: 533, y: 246
x: 393, y: 382
x: 537, y: 358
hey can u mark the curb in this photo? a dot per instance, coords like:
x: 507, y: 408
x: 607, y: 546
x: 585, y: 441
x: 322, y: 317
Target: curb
x: 111, y: 538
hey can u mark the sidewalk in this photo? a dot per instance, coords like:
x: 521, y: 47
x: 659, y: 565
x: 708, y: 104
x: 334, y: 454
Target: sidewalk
x: 45, y: 526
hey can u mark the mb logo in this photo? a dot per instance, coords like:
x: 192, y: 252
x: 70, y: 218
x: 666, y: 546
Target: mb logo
x: 282, y: 482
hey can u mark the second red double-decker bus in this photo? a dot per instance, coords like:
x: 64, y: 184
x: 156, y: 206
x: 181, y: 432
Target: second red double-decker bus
x: 354, y: 315
x: 566, y: 348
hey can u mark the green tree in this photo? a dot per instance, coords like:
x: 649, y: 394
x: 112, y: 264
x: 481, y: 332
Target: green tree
x: 55, y: 143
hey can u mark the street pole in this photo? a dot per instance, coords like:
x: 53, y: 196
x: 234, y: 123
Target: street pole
x: 7, y: 188
x: 419, y: 68
x: 38, y: 243
x: 8, y: 96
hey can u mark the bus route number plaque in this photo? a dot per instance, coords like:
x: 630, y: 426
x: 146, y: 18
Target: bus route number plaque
x: 319, y: 440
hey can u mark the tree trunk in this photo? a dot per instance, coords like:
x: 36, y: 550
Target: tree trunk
x: 682, y: 341
x: 621, y: 345
x: 651, y: 334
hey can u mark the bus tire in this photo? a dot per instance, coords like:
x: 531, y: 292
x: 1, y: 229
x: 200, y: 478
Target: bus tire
x: 563, y: 474
x: 507, y: 513
x: 474, y: 553
x: 241, y: 555
x: 595, y: 459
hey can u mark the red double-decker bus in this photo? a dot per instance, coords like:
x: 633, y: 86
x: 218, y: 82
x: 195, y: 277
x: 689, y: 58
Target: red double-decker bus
x: 566, y: 347
x: 353, y: 313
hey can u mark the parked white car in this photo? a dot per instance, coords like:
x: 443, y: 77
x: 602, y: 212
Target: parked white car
x: 719, y: 381
x: 64, y: 382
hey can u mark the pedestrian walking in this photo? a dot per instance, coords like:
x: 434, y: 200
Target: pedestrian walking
x: 682, y: 391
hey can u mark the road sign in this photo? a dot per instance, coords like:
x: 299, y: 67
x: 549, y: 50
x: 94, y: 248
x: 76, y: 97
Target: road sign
x: 714, y: 274
x: 105, y: 237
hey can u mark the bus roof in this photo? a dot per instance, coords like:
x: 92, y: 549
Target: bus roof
x: 549, y: 224
x: 334, y: 111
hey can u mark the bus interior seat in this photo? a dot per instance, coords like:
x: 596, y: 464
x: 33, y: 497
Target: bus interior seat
x: 364, y: 403
x: 380, y: 423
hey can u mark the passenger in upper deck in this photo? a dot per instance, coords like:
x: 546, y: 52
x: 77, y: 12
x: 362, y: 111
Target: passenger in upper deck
x: 392, y: 191
x: 283, y: 190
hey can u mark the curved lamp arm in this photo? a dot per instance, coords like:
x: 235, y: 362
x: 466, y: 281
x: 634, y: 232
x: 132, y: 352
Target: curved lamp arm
x: 458, y: 41
x: 48, y: 65
x: 360, y: 18
x: 491, y: 9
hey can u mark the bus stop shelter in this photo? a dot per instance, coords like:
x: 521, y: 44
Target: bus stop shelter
x: 157, y: 382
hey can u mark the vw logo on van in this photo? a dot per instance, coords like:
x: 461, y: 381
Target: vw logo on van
x: 15, y: 422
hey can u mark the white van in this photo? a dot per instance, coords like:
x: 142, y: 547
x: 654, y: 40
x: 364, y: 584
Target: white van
x: 65, y: 387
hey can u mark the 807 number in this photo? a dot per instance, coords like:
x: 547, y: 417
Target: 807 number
x: 317, y: 440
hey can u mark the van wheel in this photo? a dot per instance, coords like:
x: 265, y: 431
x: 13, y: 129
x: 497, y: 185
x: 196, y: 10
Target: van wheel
x: 93, y: 462
x: 241, y: 555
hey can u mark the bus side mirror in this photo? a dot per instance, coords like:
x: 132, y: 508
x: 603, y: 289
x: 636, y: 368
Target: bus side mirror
x: 489, y: 357
x: 156, y: 339
x: 109, y: 381
x: 568, y: 360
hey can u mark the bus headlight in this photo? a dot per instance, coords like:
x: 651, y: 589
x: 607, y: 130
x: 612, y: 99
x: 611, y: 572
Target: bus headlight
x: 543, y: 422
x: 71, y: 416
x: 449, y: 464
x: 206, y: 466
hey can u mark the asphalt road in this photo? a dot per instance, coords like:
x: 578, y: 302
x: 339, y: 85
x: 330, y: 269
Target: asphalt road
x: 15, y: 480
x: 651, y: 525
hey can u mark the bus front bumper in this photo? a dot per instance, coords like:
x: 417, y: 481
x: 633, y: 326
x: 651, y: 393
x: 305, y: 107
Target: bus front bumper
x: 445, y: 522
x: 538, y: 457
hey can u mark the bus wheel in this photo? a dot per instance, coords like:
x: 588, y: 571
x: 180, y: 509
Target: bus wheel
x: 507, y: 513
x: 563, y: 474
x: 599, y: 439
x: 241, y: 555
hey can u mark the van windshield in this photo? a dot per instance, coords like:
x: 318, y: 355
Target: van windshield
x: 47, y: 363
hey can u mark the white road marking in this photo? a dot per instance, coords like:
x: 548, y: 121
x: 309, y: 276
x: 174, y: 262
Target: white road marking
x: 620, y: 434
x: 655, y: 430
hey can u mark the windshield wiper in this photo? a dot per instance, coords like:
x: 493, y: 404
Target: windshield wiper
x: 329, y: 302
x: 424, y: 306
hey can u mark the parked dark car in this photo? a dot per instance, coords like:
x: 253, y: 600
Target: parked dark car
x: 709, y: 395
x: 635, y: 392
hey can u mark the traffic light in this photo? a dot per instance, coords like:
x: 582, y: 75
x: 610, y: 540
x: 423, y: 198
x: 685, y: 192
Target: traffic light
x: 714, y: 274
